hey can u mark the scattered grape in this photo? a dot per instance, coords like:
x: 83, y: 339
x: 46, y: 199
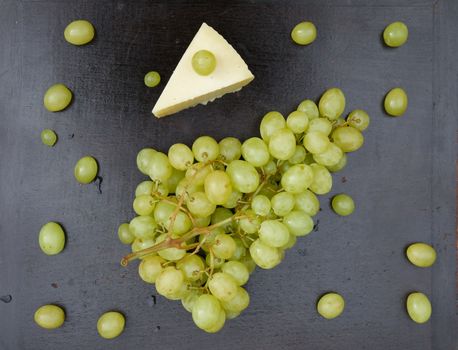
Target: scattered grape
x: 152, y: 79
x: 421, y: 254
x: 111, y: 324
x: 49, y: 316
x: 304, y: 33
x: 396, y: 102
x: 395, y: 34
x: 343, y: 204
x: 204, y: 62
x: 86, y: 170
x: 330, y: 305
x: 57, y: 98
x: 51, y: 238
x: 48, y: 137
x: 79, y: 32
x: 419, y: 307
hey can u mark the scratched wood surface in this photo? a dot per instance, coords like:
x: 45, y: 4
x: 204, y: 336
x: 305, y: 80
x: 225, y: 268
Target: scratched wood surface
x: 402, y: 180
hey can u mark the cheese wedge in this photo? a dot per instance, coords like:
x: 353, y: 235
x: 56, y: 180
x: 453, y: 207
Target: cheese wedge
x: 186, y: 88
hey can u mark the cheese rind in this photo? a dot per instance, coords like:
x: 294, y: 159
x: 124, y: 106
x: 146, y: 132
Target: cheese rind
x: 186, y: 88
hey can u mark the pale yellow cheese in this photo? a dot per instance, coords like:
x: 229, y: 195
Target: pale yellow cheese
x: 186, y: 88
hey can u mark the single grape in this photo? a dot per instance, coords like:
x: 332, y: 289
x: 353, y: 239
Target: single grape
x: 79, y: 32
x: 48, y: 137
x: 233, y: 200
x: 330, y: 157
x: 298, y: 156
x: 396, y: 102
x: 330, y: 305
x: 170, y: 282
x: 240, y: 249
x: 322, y: 179
x: 256, y: 152
x: 197, y: 173
x: 159, y: 167
x: 111, y: 324
x: 359, y: 119
x: 224, y: 246
x: 144, y: 204
x: 49, y: 316
x: 237, y: 270
x: 221, y: 214
x: 340, y: 165
x: 332, y: 104
x: 282, y: 144
x: 199, y: 205
x: 307, y: 202
x: 270, y: 123
x: 144, y: 158
x: 192, y: 267
x: 298, y: 223
x: 265, y: 256
x: 316, y: 141
x: 205, y: 148
x: 217, y: 262
x: 142, y: 243
x: 204, y: 62
x: 143, y: 227
x: 261, y: 205
x: 145, y: 188
x: 251, y: 223
x: 343, y: 204
x: 270, y: 168
x: 230, y: 149
x: 282, y: 203
x: 173, y: 181
x: 347, y: 138
x: 419, y: 307
x: 150, y: 268
x: 338, y: 123
x: 421, y: 254
x: 273, y: 233
x: 238, y: 303
x: 243, y: 175
x: 57, y: 98
x: 86, y: 170
x: 223, y: 286
x: 189, y: 300
x: 152, y: 79
x: 206, y: 311
x: 218, y: 187
x: 297, y: 122
x: 395, y: 34
x: 248, y: 261
x: 297, y: 179
x: 309, y: 108
x: 172, y: 253
x: 124, y: 234
x: 51, y: 238
x: 180, y: 156
x: 304, y: 33
x: 320, y: 124
x: 219, y: 323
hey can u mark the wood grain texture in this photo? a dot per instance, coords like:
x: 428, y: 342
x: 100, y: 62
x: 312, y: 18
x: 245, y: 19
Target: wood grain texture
x: 402, y: 179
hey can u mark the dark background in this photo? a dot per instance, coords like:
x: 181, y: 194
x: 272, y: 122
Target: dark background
x: 402, y: 179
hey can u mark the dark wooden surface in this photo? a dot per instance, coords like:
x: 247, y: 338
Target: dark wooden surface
x: 402, y: 180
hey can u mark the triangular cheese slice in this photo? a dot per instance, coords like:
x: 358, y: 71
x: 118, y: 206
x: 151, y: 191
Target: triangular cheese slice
x: 186, y: 88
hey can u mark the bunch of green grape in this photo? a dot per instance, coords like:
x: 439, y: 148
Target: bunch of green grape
x: 211, y: 213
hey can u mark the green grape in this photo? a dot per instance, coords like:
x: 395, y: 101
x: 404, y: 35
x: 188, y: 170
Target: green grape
x: 187, y: 187
x: 237, y: 270
x: 269, y: 189
x: 320, y: 124
x: 347, y: 138
x: 202, y: 222
x: 261, y: 205
x: 343, y: 204
x: 180, y: 156
x: 86, y: 170
x: 270, y: 123
x: 144, y: 188
x: 221, y: 214
x: 240, y: 249
x: 282, y: 144
x: 316, y: 142
x: 144, y: 204
x: 282, y: 203
x: 273, y: 233
x: 297, y: 179
x: 124, y: 234
x: 330, y: 305
x: 150, y: 268
x: 338, y: 123
x: 233, y: 200
x: 49, y: 316
x: 322, y: 179
x: 170, y: 282
x: 219, y: 323
x: 143, y: 227
x: 340, y: 165
x: 205, y: 148
x: 251, y: 223
x: 265, y: 256
x: 197, y: 173
x: 298, y: 223
x: 144, y: 158
x: 298, y: 156
x: 192, y: 267
x: 421, y: 254
x: 217, y: 262
x: 395, y: 34
x: 57, y: 98
x: 304, y: 33
x: 199, y: 205
x: 309, y: 108
x: 307, y: 202
x: 152, y: 79
x: 248, y: 261
x: 297, y: 122
x: 206, y: 311
x: 309, y: 159
x: 359, y: 119
x: 243, y: 176
x: 291, y: 242
x: 332, y: 104
x: 159, y: 167
x: 204, y: 62
x: 224, y: 246
x: 48, y: 137
x: 270, y: 168
x: 419, y: 307
x: 170, y: 254
x: 51, y: 238
x: 230, y: 149
x: 162, y: 214
x: 284, y: 167
x: 142, y: 243
x: 330, y: 157
x: 256, y: 152
x: 79, y: 32
x: 396, y: 102
x: 189, y: 300
x: 218, y: 187
x: 223, y: 286
x: 111, y: 324
x: 174, y: 180
x: 238, y: 303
